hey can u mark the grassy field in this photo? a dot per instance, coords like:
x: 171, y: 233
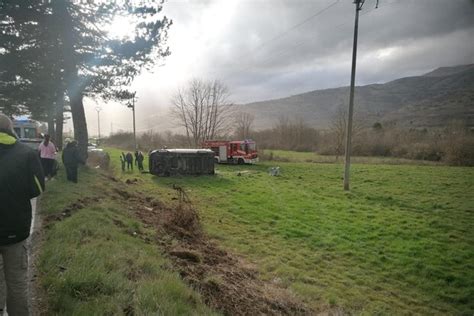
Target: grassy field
x: 96, y: 259
x: 293, y: 156
x: 401, y: 242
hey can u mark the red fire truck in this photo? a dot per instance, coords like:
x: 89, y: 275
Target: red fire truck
x: 235, y: 151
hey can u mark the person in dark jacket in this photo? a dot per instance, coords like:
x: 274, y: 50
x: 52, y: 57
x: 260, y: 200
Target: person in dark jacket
x: 129, y: 159
x: 71, y: 160
x: 139, y: 160
x: 21, y: 179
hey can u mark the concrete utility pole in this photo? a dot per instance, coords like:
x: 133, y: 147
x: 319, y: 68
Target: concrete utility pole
x: 132, y: 106
x: 347, y: 165
x: 98, y: 109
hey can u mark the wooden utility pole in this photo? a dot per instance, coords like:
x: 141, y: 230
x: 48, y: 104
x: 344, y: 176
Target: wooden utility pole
x: 347, y: 165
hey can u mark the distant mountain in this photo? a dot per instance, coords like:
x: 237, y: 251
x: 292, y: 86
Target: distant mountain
x: 430, y: 100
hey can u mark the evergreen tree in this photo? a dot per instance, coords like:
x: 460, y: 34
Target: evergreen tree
x: 31, y: 73
x: 98, y: 65
x: 59, y: 50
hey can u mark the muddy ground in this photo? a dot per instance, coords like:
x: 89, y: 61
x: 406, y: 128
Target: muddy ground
x: 227, y: 282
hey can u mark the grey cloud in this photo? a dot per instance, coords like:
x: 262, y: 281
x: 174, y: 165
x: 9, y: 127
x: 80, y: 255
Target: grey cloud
x: 398, y: 21
x: 327, y: 41
x: 426, y: 34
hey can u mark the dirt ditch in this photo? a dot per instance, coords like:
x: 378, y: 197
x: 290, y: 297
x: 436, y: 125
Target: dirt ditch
x: 227, y: 282
x: 69, y: 210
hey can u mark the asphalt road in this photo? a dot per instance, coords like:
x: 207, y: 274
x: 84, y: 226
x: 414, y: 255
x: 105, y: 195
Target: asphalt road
x: 32, y: 252
x: 33, y: 212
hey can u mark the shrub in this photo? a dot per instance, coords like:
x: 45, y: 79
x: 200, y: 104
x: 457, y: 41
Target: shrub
x: 460, y: 151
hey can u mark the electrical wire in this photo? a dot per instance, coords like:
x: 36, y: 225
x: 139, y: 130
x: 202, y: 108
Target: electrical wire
x: 284, y: 33
x: 283, y: 52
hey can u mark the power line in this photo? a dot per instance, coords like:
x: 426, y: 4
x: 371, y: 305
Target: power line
x: 282, y: 34
x: 283, y: 52
x: 285, y: 32
x: 385, y: 4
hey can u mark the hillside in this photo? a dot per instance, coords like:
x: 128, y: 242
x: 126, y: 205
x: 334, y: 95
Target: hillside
x: 429, y: 100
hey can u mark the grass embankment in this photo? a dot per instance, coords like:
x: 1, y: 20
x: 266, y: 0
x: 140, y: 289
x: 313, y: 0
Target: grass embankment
x: 401, y: 242
x: 96, y: 259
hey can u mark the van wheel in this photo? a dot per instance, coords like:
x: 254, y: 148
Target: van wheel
x: 240, y: 161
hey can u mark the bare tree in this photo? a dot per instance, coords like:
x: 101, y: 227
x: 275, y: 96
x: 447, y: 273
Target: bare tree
x: 203, y: 109
x: 293, y: 134
x: 244, y: 123
x: 338, y: 129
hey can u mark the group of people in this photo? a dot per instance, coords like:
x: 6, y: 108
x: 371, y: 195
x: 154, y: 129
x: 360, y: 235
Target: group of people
x: 71, y: 159
x: 21, y: 179
x: 127, y: 160
x: 23, y: 173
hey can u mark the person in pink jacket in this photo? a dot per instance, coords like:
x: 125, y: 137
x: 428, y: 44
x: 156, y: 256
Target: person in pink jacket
x: 47, y: 151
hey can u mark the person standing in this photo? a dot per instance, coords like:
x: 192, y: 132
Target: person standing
x: 129, y: 159
x: 47, y: 152
x: 122, y: 161
x: 21, y: 179
x: 71, y: 159
x: 139, y: 160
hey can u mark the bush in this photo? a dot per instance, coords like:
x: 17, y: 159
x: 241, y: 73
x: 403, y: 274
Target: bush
x: 460, y: 151
x: 453, y: 144
x: 422, y: 151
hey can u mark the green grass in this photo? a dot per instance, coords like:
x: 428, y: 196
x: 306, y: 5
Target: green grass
x: 293, y: 156
x: 98, y: 260
x: 400, y: 242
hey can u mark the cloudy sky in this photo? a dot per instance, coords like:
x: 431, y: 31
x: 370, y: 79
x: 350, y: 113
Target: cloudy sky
x: 266, y: 49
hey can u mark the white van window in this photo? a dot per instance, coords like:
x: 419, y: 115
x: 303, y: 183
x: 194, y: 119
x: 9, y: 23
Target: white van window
x: 17, y: 131
x: 29, y: 132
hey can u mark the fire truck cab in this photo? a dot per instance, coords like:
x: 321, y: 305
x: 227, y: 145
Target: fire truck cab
x: 233, y: 152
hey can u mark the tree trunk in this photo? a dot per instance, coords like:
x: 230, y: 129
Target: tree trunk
x: 59, y: 122
x: 74, y: 87
x: 51, y: 131
x: 79, y: 122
